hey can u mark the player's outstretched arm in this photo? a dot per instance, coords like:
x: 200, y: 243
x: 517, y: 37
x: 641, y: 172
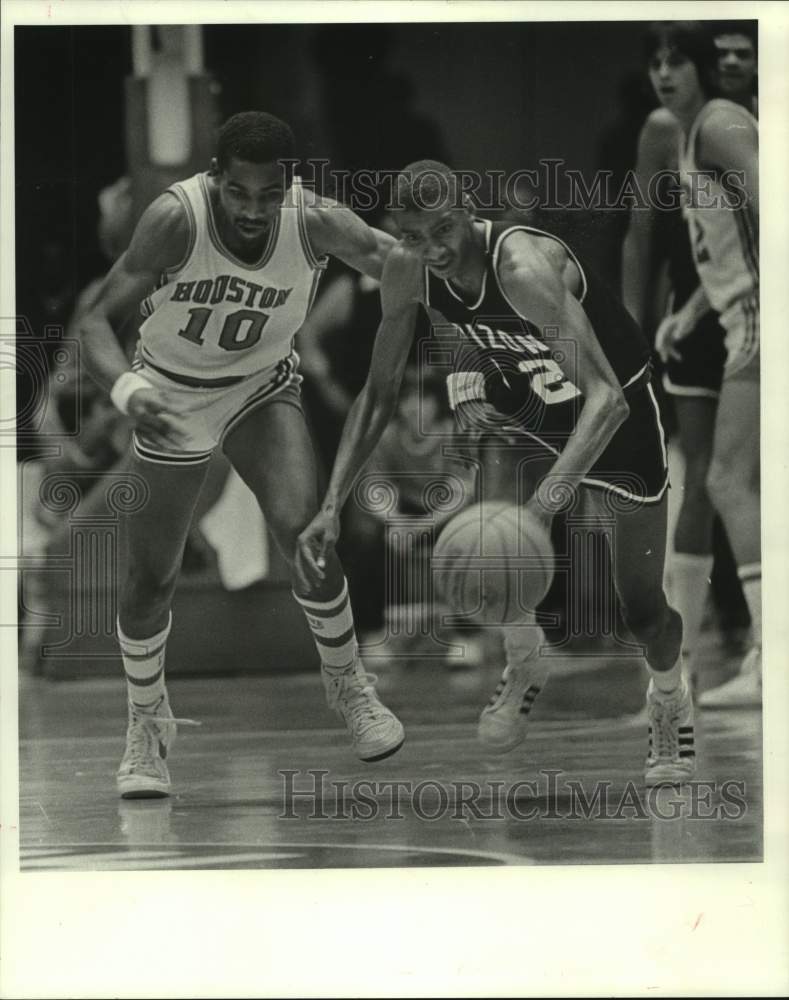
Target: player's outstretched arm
x: 658, y: 146
x: 336, y: 230
x: 372, y: 410
x: 159, y: 242
x: 538, y: 286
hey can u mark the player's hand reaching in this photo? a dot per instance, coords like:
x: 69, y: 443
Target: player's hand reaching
x: 313, y: 545
x: 156, y: 418
x: 673, y: 329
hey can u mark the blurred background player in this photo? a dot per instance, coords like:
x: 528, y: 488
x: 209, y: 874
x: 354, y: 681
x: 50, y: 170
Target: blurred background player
x: 215, y: 260
x: 595, y: 412
x: 719, y: 139
x: 658, y: 236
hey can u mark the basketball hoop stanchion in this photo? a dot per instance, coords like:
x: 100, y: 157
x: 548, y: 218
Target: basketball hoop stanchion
x: 171, y: 110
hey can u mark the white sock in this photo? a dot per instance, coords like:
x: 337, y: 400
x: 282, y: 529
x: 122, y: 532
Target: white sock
x: 143, y: 664
x: 667, y: 680
x: 331, y: 624
x: 751, y: 580
x: 690, y: 580
x: 522, y: 643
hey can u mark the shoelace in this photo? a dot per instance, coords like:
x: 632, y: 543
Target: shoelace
x: 362, y: 709
x: 665, y: 732
x: 150, y: 718
x: 140, y: 748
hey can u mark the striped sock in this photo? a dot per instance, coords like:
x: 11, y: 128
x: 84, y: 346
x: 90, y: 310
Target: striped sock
x: 331, y: 624
x: 143, y: 664
x: 751, y: 580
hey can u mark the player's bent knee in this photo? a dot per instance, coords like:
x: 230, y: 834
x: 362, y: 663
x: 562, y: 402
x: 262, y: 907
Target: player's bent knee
x: 731, y: 489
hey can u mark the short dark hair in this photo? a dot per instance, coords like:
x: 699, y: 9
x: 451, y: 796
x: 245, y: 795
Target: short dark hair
x: 695, y: 40
x: 427, y: 184
x: 748, y: 29
x: 255, y: 137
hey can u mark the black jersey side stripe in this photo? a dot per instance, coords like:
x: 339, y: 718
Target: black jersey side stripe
x: 750, y: 251
x: 537, y: 232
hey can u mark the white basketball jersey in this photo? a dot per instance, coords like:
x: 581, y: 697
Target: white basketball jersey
x: 725, y: 247
x: 214, y: 315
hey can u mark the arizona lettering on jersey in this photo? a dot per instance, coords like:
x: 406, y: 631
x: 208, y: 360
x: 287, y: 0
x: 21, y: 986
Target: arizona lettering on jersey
x: 521, y: 364
x: 215, y: 316
x: 725, y: 249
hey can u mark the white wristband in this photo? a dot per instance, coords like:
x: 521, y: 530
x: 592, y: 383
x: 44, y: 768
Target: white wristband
x: 464, y: 387
x: 124, y: 386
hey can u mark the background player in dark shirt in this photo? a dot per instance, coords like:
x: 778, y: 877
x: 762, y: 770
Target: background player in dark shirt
x: 540, y: 287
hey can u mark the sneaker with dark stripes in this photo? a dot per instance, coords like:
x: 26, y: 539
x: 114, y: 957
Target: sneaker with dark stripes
x: 503, y: 723
x: 671, y: 759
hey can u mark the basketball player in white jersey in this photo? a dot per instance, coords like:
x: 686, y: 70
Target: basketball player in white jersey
x: 694, y: 362
x: 226, y: 265
x: 719, y: 176
x: 504, y: 289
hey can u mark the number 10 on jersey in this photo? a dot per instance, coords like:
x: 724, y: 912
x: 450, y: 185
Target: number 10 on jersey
x: 241, y: 330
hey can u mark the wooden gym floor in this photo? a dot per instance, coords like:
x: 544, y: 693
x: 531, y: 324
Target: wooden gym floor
x: 232, y: 807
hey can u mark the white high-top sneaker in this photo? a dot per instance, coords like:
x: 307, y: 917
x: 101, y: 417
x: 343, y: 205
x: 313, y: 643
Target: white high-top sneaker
x: 151, y: 732
x: 375, y: 732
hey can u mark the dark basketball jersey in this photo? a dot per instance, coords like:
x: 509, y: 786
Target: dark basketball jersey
x: 520, y: 362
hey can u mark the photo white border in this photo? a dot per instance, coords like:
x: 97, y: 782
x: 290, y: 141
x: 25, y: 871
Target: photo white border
x: 554, y: 931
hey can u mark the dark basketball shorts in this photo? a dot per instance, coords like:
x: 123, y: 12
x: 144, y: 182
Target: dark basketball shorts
x: 633, y: 468
x: 207, y: 414
x: 699, y: 372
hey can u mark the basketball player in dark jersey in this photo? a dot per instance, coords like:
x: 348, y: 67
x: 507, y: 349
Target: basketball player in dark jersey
x: 215, y: 260
x: 555, y: 355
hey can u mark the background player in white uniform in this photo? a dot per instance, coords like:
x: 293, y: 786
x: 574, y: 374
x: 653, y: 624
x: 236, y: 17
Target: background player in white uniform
x: 719, y: 176
x: 226, y: 265
x: 695, y: 359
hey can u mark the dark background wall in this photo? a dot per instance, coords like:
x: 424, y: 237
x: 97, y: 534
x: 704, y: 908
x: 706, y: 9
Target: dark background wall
x: 485, y: 96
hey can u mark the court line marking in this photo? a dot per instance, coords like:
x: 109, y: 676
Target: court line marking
x: 468, y: 728
x: 169, y: 851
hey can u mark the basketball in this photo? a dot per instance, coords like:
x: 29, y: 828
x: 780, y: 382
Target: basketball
x: 493, y: 563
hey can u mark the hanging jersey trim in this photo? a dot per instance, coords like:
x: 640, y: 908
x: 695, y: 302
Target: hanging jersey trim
x: 750, y: 250
x: 535, y: 232
x: 219, y: 246
x: 180, y: 194
x: 483, y: 288
x: 313, y: 259
x: 194, y: 383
